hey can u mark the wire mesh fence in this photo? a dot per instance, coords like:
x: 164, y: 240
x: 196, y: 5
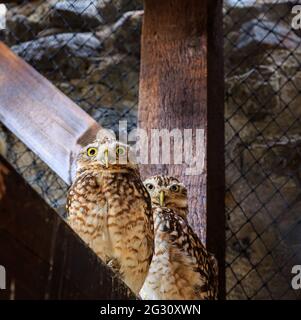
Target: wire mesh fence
x: 90, y: 50
x: 263, y: 144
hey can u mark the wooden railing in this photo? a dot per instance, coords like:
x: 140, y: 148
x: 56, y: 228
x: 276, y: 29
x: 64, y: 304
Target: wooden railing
x: 43, y: 257
x: 41, y: 116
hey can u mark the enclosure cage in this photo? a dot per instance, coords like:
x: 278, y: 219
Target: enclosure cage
x: 90, y: 50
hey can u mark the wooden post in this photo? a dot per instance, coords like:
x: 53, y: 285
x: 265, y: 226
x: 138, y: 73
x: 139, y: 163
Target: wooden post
x: 43, y: 257
x: 181, y: 86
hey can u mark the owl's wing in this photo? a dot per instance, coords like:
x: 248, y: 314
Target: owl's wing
x: 183, y: 237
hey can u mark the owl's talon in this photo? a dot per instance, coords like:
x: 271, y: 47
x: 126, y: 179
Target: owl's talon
x: 114, y: 265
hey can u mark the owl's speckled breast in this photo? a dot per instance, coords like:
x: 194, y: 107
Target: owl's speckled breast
x: 111, y: 211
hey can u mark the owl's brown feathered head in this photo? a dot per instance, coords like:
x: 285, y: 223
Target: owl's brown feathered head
x: 169, y: 192
x: 107, y: 154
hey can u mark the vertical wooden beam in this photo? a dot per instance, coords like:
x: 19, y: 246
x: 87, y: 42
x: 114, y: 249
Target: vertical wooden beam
x: 216, y: 238
x: 181, y: 86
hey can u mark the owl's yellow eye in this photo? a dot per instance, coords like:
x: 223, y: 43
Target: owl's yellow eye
x: 120, y: 151
x: 174, y: 188
x: 91, y: 152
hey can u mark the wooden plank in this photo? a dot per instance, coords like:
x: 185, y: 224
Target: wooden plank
x: 41, y: 116
x: 181, y: 88
x: 43, y: 257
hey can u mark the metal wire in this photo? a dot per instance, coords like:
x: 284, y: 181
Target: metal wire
x: 262, y: 63
x: 91, y: 51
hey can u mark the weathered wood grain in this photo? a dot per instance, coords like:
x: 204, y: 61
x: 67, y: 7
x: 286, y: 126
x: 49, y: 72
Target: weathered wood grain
x: 43, y: 257
x: 215, y: 239
x: 40, y: 115
x: 181, y: 86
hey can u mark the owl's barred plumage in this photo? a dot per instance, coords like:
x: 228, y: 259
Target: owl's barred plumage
x: 181, y: 267
x: 109, y: 207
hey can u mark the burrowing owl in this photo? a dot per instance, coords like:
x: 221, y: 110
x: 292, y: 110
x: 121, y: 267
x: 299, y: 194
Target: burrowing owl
x: 109, y: 207
x: 181, y: 267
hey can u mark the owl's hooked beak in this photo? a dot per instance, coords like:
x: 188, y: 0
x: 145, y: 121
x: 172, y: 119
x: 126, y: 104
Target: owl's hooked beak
x: 106, y: 156
x: 161, y: 198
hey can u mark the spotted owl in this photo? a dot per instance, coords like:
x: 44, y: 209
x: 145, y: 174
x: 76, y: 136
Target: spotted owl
x: 109, y: 207
x: 181, y: 268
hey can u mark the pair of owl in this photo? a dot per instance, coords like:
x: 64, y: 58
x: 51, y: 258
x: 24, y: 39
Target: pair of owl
x: 139, y: 229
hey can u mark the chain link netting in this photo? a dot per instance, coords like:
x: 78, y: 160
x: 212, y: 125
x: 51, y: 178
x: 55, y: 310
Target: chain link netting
x: 90, y: 50
x: 263, y: 148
